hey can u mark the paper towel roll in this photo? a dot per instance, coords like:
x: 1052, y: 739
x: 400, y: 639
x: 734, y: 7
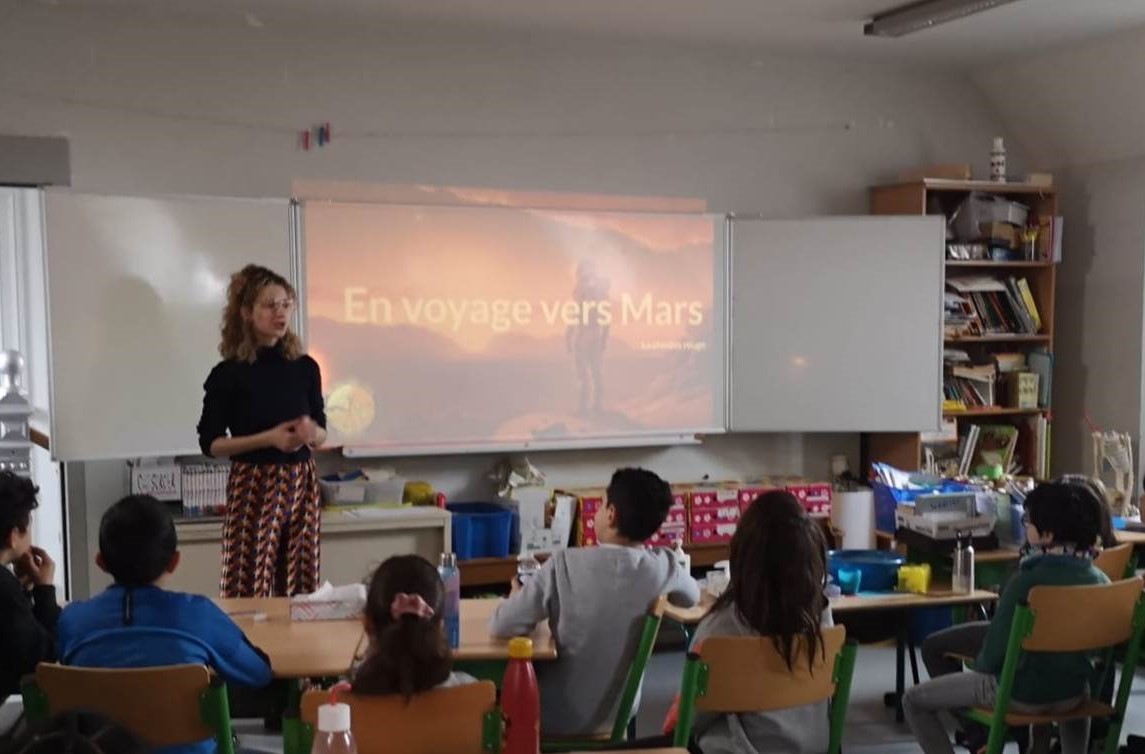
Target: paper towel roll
x: 854, y: 513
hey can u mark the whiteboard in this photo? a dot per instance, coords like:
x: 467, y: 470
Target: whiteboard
x: 136, y: 288
x: 836, y: 324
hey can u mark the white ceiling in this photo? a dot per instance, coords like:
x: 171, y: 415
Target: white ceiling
x: 815, y: 26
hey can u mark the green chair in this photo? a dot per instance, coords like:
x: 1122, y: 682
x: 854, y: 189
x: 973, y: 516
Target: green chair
x: 649, y: 631
x: 1096, y: 619
x: 459, y: 720
x: 164, y: 706
x: 747, y: 674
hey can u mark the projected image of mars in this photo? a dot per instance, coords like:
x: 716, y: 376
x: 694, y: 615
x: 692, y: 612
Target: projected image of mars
x: 445, y: 324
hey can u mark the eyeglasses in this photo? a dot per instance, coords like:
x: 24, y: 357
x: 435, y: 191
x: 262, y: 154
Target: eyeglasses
x: 282, y: 304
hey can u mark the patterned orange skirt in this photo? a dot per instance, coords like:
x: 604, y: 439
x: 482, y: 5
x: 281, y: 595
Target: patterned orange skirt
x: 271, y: 532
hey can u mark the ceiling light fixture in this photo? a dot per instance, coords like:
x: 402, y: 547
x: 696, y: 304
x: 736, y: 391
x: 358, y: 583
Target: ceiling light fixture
x: 925, y: 14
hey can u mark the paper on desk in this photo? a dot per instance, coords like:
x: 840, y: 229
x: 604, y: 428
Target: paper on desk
x: 330, y: 593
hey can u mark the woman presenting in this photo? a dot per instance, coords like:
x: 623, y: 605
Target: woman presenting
x: 263, y: 410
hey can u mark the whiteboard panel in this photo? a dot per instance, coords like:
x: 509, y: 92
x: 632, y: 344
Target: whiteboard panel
x: 136, y: 288
x: 836, y: 324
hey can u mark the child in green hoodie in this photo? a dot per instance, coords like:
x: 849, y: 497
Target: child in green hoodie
x: 1063, y: 525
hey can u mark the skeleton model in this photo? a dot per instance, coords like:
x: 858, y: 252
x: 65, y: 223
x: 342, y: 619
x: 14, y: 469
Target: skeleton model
x: 1113, y: 465
x: 15, y: 437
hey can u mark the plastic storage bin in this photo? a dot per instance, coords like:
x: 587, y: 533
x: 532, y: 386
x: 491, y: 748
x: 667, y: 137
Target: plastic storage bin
x: 887, y: 499
x: 879, y: 568
x: 481, y: 530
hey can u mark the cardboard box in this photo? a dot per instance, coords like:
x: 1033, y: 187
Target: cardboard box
x: 814, y: 496
x: 1022, y: 390
x: 713, y: 512
x: 1002, y: 234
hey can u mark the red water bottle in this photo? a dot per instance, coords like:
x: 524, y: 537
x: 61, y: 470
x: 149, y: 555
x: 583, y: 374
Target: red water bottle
x: 521, y: 700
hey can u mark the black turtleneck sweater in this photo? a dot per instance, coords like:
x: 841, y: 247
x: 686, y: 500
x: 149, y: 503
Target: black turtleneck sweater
x: 245, y: 399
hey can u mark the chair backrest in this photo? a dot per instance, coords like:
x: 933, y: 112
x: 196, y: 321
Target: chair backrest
x: 649, y: 630
x: 1082, y: 618
x: 748, y: 674
x: 1114, y: 561
x: 162, y: 706
x: 457, y: 720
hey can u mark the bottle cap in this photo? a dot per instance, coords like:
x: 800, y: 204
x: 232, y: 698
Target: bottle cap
x: 334, y: 718
x: 521, y: 648
x: 999, y: 144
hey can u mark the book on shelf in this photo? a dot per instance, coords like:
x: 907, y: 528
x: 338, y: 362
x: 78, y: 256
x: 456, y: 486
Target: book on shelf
x: 996, y: 444
x: 1042, y: 364
x: 972, y: 386
x: 1000, y: 307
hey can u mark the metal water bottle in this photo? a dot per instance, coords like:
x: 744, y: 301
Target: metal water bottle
x: 963, y: 580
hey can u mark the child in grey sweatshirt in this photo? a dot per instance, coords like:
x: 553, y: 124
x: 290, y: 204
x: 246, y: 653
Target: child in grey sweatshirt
x: 595, y: 599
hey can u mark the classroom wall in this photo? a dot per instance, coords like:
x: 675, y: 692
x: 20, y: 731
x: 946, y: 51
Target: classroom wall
x: 1078, y: 111
x: 153, y: 106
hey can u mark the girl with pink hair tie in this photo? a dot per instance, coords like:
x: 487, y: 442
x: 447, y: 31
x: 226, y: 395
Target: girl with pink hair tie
x: 408, y: 652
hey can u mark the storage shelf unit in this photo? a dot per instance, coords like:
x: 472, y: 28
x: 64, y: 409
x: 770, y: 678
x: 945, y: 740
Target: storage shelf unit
x: 933, y: 196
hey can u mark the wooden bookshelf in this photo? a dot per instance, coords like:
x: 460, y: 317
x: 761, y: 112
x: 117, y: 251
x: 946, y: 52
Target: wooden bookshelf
x: 1000, y: 339
x: 994, y: 411
x: 935, y: 196
x: 987, y: 264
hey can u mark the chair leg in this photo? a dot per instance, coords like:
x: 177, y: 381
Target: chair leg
x: 632, y: 729
x: 913, y: 662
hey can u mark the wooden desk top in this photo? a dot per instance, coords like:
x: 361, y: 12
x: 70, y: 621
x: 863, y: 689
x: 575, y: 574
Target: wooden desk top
x: 854, y: 604
x: 317, y: 649
x: 1135, y: 538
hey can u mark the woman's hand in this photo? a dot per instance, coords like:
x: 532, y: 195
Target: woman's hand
x: 311, y: 433
x: 287, y: 436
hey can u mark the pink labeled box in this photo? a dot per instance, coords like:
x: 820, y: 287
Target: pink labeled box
x: 814, y: 496
x: 589, y: 504
x: 712, y: 514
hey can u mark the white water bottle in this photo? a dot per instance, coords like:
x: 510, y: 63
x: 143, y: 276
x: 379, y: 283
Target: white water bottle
x: 683, y: 559
x: 998, y: 161
x: 334, y: 735
x: 527, y: 567
x: 963, y: 578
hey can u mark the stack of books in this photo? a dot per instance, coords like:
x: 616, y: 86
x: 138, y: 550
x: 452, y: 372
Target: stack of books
x: 992, y: 306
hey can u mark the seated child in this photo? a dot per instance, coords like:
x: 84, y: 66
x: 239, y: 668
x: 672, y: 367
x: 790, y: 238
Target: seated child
x: 28, y: 608
x: 1063, y: 521
x: 595, y: 600
x: 778, y: 575
x: 137, y: 623
x: 408, y: 651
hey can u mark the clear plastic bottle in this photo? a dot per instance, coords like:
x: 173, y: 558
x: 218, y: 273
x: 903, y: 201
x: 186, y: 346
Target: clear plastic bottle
x: 334, y: 735
x: 963, y: 577
x: 451, y: 578
x: 527, y: 567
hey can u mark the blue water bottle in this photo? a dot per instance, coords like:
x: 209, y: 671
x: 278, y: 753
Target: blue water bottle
x: 451, y: 578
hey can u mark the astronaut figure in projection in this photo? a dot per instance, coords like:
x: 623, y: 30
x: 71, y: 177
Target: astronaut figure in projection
x: 587, y: 339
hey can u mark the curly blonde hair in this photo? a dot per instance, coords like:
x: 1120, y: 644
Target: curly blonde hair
x: 238, y: 340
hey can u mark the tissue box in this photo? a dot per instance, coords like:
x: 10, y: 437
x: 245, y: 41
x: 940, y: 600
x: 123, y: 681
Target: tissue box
x: 329, y: 603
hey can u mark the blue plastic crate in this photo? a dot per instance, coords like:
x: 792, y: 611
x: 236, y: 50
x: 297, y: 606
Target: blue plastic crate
x: 887, y: 499
x: 927, y: 620
x: 481, y: 530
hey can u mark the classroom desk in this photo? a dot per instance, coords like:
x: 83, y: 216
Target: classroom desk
x: 322, y: 649
x: 896, y: 604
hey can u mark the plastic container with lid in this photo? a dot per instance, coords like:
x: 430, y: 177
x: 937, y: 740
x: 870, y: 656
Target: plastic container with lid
x: 334, y: 735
